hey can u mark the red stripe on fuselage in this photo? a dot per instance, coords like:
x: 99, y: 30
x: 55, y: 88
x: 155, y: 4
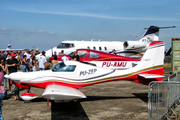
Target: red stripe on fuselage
x: 134, y: 78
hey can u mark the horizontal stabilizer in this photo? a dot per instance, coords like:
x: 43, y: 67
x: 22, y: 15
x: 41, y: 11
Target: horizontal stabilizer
x: 151, y: 76
x: 60, y: 92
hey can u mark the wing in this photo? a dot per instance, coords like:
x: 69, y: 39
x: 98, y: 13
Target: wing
x: 60, y: 92
x: 151, y: 75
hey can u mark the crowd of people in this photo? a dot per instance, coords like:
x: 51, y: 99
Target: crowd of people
x: 13, y: 61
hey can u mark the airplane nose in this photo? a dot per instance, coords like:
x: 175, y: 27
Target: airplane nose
x: 16, y: 76
x: 7, y: 76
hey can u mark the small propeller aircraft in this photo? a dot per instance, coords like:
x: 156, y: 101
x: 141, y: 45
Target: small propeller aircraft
x: 9, y: 49
x: 64, y: 79
x: 127, y: 48
x: 103, y: 59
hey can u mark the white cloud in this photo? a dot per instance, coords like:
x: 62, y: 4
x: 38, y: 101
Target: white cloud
x: 40, y: 32
x: 51, y: 33
x: 4, y: 31
x: 36, y: 31
x: 98, y: 15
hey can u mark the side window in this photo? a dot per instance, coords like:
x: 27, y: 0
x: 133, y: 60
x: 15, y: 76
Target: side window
x: 65, y: 45
x: 105, y: 48
x: 99, y: 48
x: 72, y: 45
x: 88, y: 47
x: 93, y: 55
x: 82, y: 54
x: 94, y: 48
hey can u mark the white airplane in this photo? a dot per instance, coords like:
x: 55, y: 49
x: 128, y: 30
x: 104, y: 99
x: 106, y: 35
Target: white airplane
x: 64, y: 79
x: 127, y: 48
x: 9, y: 49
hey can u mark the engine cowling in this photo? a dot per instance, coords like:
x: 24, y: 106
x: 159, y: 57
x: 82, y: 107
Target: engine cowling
x: 133, y: 45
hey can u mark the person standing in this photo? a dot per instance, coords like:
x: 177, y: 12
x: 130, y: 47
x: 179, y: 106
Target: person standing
x: 54, y: 54
x: 54, y: 61
x: 4, y: 54
x: 1, y: 91
x: 34, y: 63
x: 4, y: 68
x: 27, y: 54
x: 42, y: 60
x: 76, y: 56
x: 62, y: 52
x: 16, y: 92
x: 12, y: 64
x: 24, y: 64
x: 64, y: 58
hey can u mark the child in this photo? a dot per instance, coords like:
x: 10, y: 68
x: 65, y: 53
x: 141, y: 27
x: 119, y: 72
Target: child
x: 16, y: 92
x: 1, y: 96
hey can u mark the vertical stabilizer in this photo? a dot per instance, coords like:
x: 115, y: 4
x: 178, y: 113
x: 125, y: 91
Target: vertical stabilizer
x: 152, y: 34
x: 8, y: 47
x: 154, y: 55
x: 151, y: 65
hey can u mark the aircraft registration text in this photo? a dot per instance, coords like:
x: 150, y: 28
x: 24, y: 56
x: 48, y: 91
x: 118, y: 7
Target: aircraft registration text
x: 115, y: 64
x: 87, y: 72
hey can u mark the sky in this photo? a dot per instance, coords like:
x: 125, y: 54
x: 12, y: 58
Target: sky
x: 46, y: 23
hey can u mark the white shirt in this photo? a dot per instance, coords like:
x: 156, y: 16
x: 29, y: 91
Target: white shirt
x: 42, y: 60
x: 27, y: 55
x: 64, y: 58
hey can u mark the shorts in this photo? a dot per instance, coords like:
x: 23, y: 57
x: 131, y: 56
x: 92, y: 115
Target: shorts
x: 16, y: 92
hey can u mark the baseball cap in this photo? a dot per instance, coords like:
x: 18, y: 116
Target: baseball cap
x: 12, y: 54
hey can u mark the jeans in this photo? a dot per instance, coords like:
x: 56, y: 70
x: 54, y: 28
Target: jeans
x: 1, y: 98
x: 24, y: 68
x: 34, y: 68
x: 5, y: 87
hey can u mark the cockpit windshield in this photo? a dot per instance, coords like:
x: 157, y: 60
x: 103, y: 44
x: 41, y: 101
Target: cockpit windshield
x: 65, y: 45
x: 61, y: 67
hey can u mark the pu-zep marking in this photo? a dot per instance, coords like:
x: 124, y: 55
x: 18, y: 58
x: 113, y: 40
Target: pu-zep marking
x: 87, y: 72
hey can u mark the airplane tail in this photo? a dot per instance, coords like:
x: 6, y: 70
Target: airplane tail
x: 152, y: 34
x: 151, y: 65
x: 8, y: 47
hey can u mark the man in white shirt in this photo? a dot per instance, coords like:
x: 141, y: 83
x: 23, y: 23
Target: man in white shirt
x: 64, y: 58
x: 42, y: 60
x: 27, y: 54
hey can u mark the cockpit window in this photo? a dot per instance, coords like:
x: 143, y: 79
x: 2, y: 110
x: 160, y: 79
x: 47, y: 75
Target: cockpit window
x: 65, y: 45
x: 93, y: 55
x: 61, y: 67
x: 82, y: 54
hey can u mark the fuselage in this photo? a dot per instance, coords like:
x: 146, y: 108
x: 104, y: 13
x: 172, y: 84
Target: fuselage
x: 71, y: 46
x: 77, y: 75
x: 103, y: 59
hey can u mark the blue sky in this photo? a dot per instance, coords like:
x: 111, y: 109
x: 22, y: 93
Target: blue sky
x: 45, y: 23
